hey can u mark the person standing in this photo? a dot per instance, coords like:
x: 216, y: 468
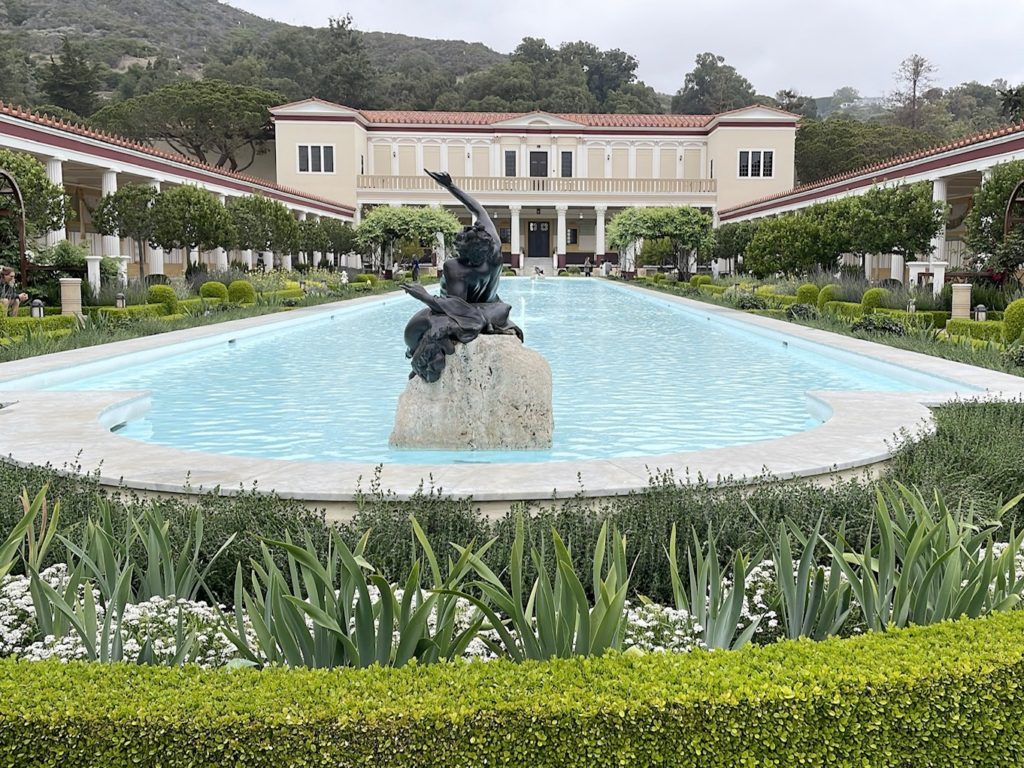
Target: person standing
x: 10, y: 297
x: 416, y: 270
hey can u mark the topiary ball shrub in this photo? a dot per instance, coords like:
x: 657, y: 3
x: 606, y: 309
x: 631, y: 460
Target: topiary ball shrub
x: 1014, y: 355
x: 658, y: 277
x: 807, y: 294
x: 802, y: 311
x: 703, y: 280
x: 751, y: 301
x: 695, y: 280
x: 213, y: 290
x: 241, y: 292
x: 1013, y: 320
x: 880, y: 324
x: 830, y: 292
x: 163, y: 294
x: 366, y: 277
x: 874, y: 298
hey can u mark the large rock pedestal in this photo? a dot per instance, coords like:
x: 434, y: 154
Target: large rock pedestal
x: 494, y: 394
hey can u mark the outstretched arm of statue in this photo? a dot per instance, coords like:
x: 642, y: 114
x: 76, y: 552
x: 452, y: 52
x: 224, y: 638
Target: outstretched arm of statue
x: 478, y: 211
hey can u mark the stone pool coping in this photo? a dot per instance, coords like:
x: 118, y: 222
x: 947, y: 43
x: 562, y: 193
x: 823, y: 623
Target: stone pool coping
x: 71, y: 431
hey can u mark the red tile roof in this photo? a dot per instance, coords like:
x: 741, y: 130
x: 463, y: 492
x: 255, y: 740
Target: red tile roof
x: 966, y: 141
x: 409, y: 117
x: 120, y: 141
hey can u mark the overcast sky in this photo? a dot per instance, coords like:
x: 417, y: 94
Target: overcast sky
x: 814, y: 47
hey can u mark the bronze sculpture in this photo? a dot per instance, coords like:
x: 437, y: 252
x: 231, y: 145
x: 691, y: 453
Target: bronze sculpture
x: 468, y: 304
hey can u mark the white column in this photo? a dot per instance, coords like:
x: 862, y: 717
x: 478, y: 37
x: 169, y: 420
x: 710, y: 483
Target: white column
x: 439, y: 251
x: 581, y: 161
x: 515, y: 246
x: 220, y: 255
x: 561, y: 227
x: 523, y: 164
x: 111, y: 243
x: 986, y: 174
x: 247, y: 257
x: 92, y: 273
x: 656, y: 161
x: 939, y: 242
x: 193, y: 256
x: 55, y: 173
x: 419, y: 157
x: 867, y: 265
x: 600, y: 246
x: 631, y: 173
x: 122, y: 270
x: 268, y: 260
x: 301, y: 216
x: 286, y: 262
x: 155, y: 260
x: 444, y: 159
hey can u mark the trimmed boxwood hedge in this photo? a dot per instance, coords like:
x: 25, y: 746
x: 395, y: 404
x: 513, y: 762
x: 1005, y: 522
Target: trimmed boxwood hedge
x: 213, y: 289
x: 713, y: 290
x: 47, y: 323
x: 944, y: 695
x: 1014, y: 319
x: 807, y: 294
x: 830, y: 292
x: 986, y: 330
x: 846, y: 309
x: 924, y: 318
x: 241, y: 292
x: 133, y: 310
x: 163, y: 294
x: 286, y: 293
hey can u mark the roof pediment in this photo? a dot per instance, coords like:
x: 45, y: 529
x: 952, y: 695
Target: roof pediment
x: 538, y: 120
x: 757, y: 112
x: 314, y: 107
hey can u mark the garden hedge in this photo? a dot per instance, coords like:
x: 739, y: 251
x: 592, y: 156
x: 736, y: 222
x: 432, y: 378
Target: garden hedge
x: 712, y: 290
x: 46, y: 323
x: 874, y: 298
x: 830, y: 292
x: 807, y: 294
x: 163, y: 294
x: 782, y: 300
x: 944, y: 695
x: 241, y: 292
x: 1014, y: 319
x: 286, y: 293
x: 925, y: 318
x: 213, y: 289
x: 986, y: 330
x: 847, y: 309
x: 133, y: 310
x: 197, y: 303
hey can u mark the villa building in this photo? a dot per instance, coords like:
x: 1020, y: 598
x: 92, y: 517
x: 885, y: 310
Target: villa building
x: 550, y: 182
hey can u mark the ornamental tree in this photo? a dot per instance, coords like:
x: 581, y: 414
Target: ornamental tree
x: 128, y: 213
x: 985, y: 221
x: 791, y: 244
x: 382, y: 227
x: 902, y: 220
x: 46, y: 204
x: 312, y: 237
x: 261, y: 224
x: 341, y: 237
x: 687, y: 229
x: 188, y: 217
x: 732, y: 239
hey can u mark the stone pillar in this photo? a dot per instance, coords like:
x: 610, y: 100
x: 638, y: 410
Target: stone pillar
x: 939, y: 241
x: 561, y: 209
x: 71, y: 296
x: 600, y: 246
x: 268, y: 260
x: 962, y: 301
x: 515, y: 246
x: 286, y: 262
x: 896, y: 267
x: 868, y: 259
x: 155, y: 260
x: 92, y: 273
x: 247, y: 257
x: 55, y: 173
x: 193, y: 256
x: 220, y: 255
x: 111, y: 243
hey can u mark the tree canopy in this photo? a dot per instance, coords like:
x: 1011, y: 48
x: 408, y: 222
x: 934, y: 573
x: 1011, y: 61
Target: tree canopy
x: 384, y: 226
x: 262, y: 224
x: 687, y: 229
x: 188, y: 217
x: 128, y: 212
x: 712, y: 86
x: 72, y: 81
x: 984, y: 223
x: 46, y: 204
x: 210, y: 120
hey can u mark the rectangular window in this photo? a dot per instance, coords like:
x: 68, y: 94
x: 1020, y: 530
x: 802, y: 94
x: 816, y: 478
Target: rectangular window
x: 362, y: 165
x: 572, y: 236
x: 510, y: 162
x: 567, y: 165
x: 757, y: 163
x: 317, y: 158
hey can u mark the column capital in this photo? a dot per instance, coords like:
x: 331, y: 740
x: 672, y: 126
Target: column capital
x: 561, y: 208
x: 601, y: 208
x: 515, y: 207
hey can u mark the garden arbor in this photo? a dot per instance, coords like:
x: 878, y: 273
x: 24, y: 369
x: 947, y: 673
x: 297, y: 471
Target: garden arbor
x: 688, y: 231
x: 12, y: 207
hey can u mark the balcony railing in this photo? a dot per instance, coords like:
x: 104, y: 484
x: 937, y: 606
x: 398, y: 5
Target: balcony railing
x: 534, y: 184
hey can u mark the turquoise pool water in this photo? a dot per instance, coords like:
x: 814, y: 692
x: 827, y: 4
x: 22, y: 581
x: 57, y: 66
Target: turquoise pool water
x: 633, y: 375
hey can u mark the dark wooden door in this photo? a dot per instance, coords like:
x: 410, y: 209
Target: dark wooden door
x: 539, y: 164
x: 538, y: 242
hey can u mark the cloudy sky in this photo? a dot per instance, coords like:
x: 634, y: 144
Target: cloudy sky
x: 814, y: 47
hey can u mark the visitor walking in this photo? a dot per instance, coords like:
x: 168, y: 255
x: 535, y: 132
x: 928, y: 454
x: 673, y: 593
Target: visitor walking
x: 415, y: 270
x: 588, y: 267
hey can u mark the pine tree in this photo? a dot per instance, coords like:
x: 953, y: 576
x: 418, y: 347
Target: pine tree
x: 72, y: 82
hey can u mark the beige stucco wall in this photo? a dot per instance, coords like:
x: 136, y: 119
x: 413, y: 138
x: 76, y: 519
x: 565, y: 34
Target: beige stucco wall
x: 406, y: 159
x: 595, y: 163
x: 349, y: 142
x: 724, y: 145
x: 381, y: 159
